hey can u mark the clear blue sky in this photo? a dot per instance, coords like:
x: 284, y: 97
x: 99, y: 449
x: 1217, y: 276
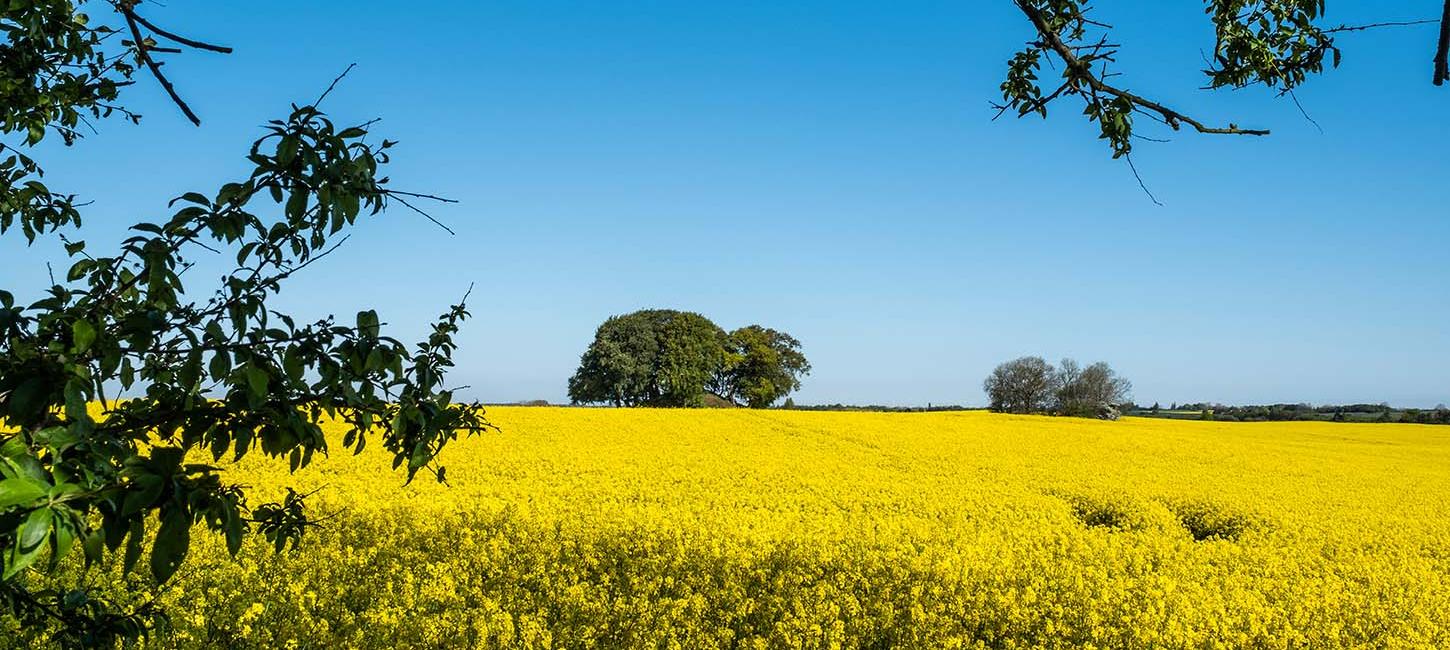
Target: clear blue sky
x: 830, y: 169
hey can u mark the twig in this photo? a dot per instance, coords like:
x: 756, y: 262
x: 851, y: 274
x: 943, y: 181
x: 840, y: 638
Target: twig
x: 425, y: 214
x: 1154, y: 199
x: 182, y: 39
x: 430, y: 197
x: 1360, y: 28
x: 141, y: 51
x: 1304, y: 112
x: 288, y: 272
x: 332, y: 85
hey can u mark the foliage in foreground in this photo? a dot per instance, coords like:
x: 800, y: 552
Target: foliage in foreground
x: 203, y: 378
x: 775, y: 529
x: 1277, y: 44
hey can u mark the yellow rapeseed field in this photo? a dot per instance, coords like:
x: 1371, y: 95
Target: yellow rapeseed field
x: 590, y: 528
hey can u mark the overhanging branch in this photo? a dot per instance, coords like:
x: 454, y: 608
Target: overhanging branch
x: 1077, y: 68
x: 1442, y: 50
x: 144, y: 50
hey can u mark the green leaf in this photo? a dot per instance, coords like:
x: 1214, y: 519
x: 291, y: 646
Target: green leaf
x: 94, y: 546
x: 35, y: 530
x: 221, y: 365
x: 19, y: 491
x: 19, y: 560
x: 144, y: 492
x: 234, y: 530
x: 193, y: 197
x: 76, y: 400
x: 29, y: 397
x: 296, y: 205
x: 167, y: 460
x: 367, y: 324
x: 172, y: 540
x: 257, y: 379
x: 292, y: 364
x: 133, y: 544
x: 61, y: 541
x: 83, y: 334
x: 220, y: 441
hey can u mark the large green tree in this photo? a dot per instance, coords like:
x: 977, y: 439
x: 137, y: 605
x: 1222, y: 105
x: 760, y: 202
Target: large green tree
x: 181, y: 373
x: 652, y: 357
x: 762, y: 366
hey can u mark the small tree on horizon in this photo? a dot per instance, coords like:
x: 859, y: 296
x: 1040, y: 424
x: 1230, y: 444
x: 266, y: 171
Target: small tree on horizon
x: 1084, y: 392
x: 1023, y: 385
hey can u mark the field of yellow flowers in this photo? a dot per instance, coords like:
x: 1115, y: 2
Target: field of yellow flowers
x: 583, y: 528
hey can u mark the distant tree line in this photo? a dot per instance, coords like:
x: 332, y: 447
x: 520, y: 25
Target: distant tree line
x: 1299, y: 412
x: 875, y: 408
x: 670, y: 358
x: 1032, y: 385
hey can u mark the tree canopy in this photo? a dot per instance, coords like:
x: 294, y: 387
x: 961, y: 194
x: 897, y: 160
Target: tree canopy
x: 669, y: 358
x: 177, y: 378
x: 1084, y: 392
x: 762, y: 366
x: 1022, y: 385
x: 652, y: 357
x: 1032, y: 385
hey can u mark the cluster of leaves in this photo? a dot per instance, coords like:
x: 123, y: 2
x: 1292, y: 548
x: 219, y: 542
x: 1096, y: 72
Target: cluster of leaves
x: 762, y: 365
x: 1271, y: 42
x: 669, y: 358
x: 1275, y: 43
x: 228, y: 375
x: 54, y: 74
x: 176, y: 378
x: 652, y: 357
x: 1067, y: 34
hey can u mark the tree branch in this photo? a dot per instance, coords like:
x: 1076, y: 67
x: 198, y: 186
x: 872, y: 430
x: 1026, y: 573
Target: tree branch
x: 1442, y: 52
x: 1075, y: 65
x: 142, y: 52
x: 1396, y: 23
x: 181, y: 39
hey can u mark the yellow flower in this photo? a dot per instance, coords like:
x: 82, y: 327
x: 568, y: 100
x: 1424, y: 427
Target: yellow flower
x: 777, y: 529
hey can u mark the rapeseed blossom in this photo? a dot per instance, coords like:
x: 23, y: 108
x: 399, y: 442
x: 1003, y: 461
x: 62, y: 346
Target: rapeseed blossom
x: 777, y: 529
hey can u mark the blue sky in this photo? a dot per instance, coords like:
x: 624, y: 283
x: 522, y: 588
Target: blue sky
x: 831, y: 169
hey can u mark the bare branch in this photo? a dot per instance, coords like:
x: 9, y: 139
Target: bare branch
x: 332, y: 85
x: 1304, y: 112
x: 1154, y: 199
x: 181, y: 39
x: 1398, y: 23
x: 429, y: 217
x: 145, y: 55
x: 1442, y: 51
